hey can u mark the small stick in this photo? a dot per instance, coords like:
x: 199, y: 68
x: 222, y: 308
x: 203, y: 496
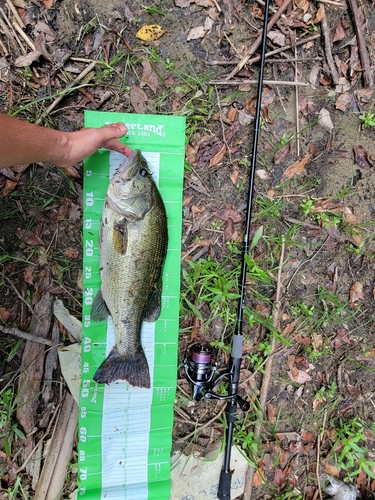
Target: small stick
x: 293, y: 59
x: 20, y: 296
x: 222, y: 126
x: 23, y: 335
x: 185, y: 417
x: 336, y: 4
x: 327, y: 48
x: 201, y: 427
x: 45, y: 434
x: 253, y: 82
x: 281, y: 99
x: 297, y: 110
x: 318, y: 455
x: 17, y: 27
x: 217, y: 6
x: 302, y: 223
x: 83, y: 59
x: 4, y: 49
x: 8, y: 34
x: 305, y: 262
x: 267, y: 374
x: 363, y: 54
x: 15, y: 13
x: 272, y: 9
x: 61, y: 97
x: 268, y: 54
x: 258, y: 41
x: 283, y: 49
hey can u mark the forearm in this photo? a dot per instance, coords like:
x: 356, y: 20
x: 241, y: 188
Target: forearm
x: 24, y: 142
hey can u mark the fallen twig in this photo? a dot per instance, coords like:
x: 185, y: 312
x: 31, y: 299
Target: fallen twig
x: 318, y: 454
x: 283, y: 49
x: 281, y: 99
x: 12, y: 30
x: 267, y: 373
x: 20, y: 296
x: 328, y: 52
x: 296, y: 103
x: 293, y: 59
x: 363, y: 54
x: 55, y: 466
x: 85, y: 72
x: 185, y: 417
x: 336, y: 4
x: 15, y: 13
x: 23, y: 335
x: 4, y: 28
x: 268, y: 54
x: 44, y: 435
x: 290, y: 60
x: 18, y: 28
x: 305, y: 262
x: 254, y: 82
x: 301, y: 222
x: 201, y: 427
x: 258, y: 41
x: 222, y: 126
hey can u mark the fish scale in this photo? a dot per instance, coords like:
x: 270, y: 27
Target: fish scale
x: 133, y: 242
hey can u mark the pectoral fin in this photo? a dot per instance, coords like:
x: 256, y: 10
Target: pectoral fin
x: 154, y: 306
x: 120, y: 236
x: 99, y: 309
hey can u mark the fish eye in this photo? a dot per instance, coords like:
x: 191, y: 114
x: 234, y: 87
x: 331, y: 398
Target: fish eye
x: 143, y: 172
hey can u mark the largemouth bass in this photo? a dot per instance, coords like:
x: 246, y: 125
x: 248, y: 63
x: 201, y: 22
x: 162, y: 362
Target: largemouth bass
x: 133, y: 244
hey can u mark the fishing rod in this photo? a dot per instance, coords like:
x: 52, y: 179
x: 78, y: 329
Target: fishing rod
x: 199, y: 369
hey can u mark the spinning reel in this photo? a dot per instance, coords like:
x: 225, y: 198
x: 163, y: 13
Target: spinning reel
x: 201, y: 371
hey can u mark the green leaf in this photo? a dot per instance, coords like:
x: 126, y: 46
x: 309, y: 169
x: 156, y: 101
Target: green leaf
x: 194, y: 309
x: 19, y: 433
x: 257, y: 236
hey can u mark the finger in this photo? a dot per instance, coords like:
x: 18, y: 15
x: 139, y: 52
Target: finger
x: 113, y: 131
x: 118, y: 146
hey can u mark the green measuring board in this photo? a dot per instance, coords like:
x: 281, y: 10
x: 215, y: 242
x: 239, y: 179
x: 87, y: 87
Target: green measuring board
x: 125, y: 433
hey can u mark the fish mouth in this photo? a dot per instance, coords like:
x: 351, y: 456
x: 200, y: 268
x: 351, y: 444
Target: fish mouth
x: 131, y: 166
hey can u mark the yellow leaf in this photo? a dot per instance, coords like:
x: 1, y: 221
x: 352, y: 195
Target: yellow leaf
x: 150, y: 32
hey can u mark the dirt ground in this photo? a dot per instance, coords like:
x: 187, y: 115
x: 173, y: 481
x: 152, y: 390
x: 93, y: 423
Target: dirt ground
x: 314, y: 188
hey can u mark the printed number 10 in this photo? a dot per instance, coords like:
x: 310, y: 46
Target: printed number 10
x: 89, y: 199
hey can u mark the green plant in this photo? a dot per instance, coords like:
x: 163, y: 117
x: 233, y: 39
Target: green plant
x: 219, y: 344
x: 214, y: 284
x: 326, y: 392
x: 368, y: 119
x: 257, y: 358
x: 244, y: 435
x: 307, y: 205
x: 215, y: 226
x: 8, y: 428
x: 268, y: 207
x: 154, y: 10
x: 287, y: 495
x: 356, y: 250
x: 16, y: 491
x: 350, y: 450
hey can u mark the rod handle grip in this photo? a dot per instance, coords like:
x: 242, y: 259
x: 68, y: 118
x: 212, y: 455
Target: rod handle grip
x: 224, y: 485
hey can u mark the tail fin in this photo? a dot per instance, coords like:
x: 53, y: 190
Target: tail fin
x: 133, y: 369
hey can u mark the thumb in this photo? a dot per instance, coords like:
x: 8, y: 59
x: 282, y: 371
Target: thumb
x: 112, y: 131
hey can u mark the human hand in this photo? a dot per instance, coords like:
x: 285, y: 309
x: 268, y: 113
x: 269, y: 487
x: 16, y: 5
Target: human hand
x: 79, y: 145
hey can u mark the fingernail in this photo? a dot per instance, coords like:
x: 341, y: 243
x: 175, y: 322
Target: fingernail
x: 122, y: 127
